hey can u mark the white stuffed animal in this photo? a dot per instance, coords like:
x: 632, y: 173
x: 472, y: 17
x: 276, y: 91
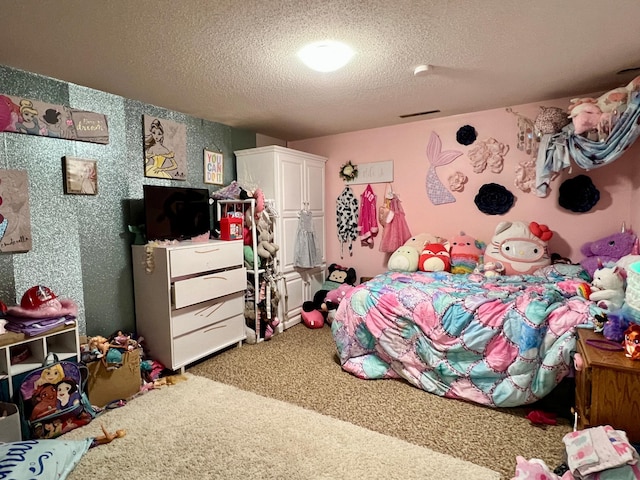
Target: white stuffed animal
x: 607, y: 287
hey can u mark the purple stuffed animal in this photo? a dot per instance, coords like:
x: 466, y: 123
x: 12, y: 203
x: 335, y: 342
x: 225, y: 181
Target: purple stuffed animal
x: 607, y: 250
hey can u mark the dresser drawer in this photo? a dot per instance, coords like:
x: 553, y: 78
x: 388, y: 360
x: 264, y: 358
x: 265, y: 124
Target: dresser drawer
x: 206, y: 287
x: 195, y: 345
x: 198, y: 316
x: 208, y: 257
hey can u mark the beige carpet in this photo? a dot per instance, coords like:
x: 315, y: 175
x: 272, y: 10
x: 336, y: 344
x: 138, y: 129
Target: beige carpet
x: 200, y: 429
x: 300, y: 366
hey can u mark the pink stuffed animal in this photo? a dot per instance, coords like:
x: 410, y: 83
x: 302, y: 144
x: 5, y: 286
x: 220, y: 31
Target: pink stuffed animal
x: 586, y: 117
x: 335, y: 296
x: 465, y: 253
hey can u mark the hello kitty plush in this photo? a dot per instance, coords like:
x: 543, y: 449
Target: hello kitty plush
x: 521, y: 248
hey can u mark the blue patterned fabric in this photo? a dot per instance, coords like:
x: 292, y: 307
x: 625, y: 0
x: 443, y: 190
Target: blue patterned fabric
x: 41, y: 459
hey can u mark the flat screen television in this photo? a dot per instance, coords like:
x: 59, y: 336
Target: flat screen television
x: 176, y: 213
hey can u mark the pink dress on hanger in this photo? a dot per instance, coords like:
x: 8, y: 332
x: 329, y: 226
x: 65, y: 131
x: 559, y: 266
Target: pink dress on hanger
x: 397, y: 231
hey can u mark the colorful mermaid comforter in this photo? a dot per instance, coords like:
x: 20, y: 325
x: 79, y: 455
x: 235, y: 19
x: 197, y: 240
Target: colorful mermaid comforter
x: 502, y: 341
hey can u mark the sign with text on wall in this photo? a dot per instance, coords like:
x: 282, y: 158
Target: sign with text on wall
x: 374, y: 172
x: 15, y: 218
x: 33, y: 117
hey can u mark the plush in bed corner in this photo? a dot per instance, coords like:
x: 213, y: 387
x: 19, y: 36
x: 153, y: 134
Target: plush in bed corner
x: 501, y: 341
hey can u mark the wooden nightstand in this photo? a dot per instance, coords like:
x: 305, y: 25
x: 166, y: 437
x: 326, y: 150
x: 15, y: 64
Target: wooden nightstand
x: 607, y: 388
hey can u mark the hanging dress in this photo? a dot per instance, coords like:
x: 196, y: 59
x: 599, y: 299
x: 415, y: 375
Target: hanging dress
x: 397, y: 231
x: 305, y: 253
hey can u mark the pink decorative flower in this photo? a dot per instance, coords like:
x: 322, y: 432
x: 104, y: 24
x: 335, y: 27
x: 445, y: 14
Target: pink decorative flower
x: 489, y: 152
x: 457, y: 181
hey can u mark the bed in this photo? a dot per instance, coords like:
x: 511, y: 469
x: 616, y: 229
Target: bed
x: 499, y: 341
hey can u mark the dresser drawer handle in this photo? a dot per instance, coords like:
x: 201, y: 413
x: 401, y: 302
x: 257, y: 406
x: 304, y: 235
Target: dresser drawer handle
x: 215, y: 277
x: 214, y: 328
x: 212, y: 309
x: 208, y: 251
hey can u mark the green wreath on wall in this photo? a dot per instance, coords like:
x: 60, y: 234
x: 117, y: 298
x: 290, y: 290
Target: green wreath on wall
x: 348, y: 171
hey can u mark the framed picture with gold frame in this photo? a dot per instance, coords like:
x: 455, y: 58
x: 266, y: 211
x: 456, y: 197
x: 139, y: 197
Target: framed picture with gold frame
x: 80, y: 176
x: 213, y: 168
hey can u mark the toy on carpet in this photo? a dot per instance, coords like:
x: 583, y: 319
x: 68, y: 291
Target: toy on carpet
x: 314, y: 313
x: 607, y: 287
x: 333, y: 299
x: 435, y: 257
x: 541, y: 418
x: 465, y: 253
x: 608, y: 249
x: 521, y: 248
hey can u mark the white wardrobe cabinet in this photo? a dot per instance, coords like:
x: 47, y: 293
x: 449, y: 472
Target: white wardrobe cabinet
x: 295, y: 180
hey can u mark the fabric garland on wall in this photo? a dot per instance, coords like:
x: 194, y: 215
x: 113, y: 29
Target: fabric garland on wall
x: 556, y: 150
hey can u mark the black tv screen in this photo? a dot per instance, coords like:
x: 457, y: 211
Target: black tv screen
x: 176, y: 213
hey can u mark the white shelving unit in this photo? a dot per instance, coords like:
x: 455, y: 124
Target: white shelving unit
x: 255, y: 275
x: 65, y: 343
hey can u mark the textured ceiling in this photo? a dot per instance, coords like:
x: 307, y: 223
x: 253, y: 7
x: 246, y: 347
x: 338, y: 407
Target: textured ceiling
x: 234, y: 61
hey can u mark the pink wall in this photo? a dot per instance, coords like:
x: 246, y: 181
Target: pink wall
x: 406, y: 145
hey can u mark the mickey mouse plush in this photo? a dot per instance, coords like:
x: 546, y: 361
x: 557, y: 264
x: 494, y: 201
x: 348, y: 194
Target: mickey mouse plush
x: 314, y: 313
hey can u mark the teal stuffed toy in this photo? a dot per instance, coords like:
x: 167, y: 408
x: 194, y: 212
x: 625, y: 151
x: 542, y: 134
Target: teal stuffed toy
x: 249, y: 258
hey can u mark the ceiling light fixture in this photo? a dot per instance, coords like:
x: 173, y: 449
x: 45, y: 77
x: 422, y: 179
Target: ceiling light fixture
x: 421, y: 70
x: 326, y: 56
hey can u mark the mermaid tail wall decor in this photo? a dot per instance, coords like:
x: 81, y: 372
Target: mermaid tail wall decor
x: 436, y: 191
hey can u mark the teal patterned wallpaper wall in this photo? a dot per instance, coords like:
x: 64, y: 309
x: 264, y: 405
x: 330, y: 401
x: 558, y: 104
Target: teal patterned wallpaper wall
x: 81, y: 244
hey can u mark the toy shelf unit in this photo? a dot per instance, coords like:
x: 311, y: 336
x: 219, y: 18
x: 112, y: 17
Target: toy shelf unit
x: 260, y: 272
x: 64, y: 342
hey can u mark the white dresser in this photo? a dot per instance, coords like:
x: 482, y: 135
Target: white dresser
x: 189, y: 299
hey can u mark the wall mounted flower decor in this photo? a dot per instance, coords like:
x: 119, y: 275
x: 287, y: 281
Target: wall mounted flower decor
x: 348, y: 171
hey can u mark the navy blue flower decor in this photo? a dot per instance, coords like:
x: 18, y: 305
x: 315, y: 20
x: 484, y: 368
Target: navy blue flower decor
x: 578, y: 194
x: 466, y: 135
x: 494, y: 199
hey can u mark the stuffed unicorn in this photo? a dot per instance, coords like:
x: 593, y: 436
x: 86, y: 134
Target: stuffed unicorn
x: 607, y: 287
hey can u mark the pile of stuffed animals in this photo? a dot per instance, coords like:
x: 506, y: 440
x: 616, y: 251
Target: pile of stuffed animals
x: 321, y: 310
x: 517, y: 248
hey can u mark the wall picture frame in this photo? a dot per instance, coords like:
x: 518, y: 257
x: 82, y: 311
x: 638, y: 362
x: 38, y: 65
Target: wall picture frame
x: 213, y: 167
x: 80, y: 176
